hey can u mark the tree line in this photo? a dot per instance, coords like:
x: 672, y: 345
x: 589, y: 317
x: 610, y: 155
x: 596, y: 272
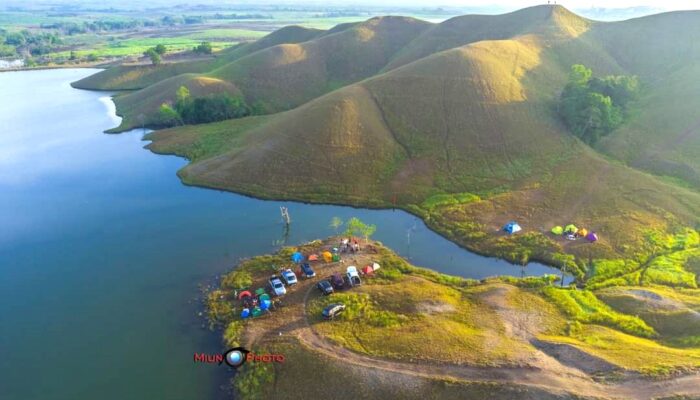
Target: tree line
x: 593, y: 107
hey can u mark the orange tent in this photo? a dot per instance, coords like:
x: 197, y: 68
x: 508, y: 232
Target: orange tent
x: 327, y: 256
x: 313, y: 257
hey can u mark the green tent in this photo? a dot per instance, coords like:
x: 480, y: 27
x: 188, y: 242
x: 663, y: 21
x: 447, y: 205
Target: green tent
x: 571, y: 228
x: 557, y: 230
x: 257, y: 312
x: 336, y: 258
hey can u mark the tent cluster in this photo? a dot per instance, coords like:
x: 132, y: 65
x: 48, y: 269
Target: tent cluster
x: 369, y: 269
x: 327, y: 257
x: 254, y: 305
x: 572, y: 232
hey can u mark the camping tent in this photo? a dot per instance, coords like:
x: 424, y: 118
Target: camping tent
x: 256, y: 312
x: 592, y: 237
x: 571, y: 228
x: 558, y: 230
x: 245, y: 313
x: 264, y: 297
x: 368, y: 270
x: 265, y: 304
x: 327, y: 256
x: 512, y: 227
x: 243, y: 294
x: 313, y: 257
x: 375, y: 266
x: 583, y: 232
x: 297, y: 257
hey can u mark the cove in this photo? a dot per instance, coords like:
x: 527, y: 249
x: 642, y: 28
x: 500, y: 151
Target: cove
x: 103, y: 250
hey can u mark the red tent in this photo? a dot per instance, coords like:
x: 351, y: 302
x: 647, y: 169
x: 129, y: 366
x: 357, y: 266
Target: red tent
x: 313, y: 257
x: 243, y: 294
x: 368, y: 270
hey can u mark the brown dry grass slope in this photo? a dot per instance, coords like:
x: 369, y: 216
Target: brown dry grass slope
x: 479, y: 118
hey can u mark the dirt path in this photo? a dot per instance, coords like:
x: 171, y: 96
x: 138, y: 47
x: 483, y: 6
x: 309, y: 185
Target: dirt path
x: 544, y: 372
x: 555, y: 378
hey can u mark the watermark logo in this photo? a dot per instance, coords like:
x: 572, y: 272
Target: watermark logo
x: 238, y: 356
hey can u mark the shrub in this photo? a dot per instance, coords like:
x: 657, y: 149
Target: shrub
x: 203, y: 48
x: 233, y: 332
x: 238, y: 279
x: 252, y: 379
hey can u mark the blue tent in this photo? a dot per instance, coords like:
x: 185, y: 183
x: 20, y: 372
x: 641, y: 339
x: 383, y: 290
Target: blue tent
x: 265, y: 304
x: 512, y: 227
x: 297, y: 257
x: 245, y: 313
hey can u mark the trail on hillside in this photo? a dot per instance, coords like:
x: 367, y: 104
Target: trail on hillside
x: 561, y: 381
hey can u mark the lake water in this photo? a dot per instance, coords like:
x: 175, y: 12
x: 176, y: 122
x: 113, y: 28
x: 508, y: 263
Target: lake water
x: 102, y: 251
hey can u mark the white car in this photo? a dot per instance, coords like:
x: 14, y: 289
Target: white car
x: 289, y: 277
x: 277, y: 286
x: 353, y: 276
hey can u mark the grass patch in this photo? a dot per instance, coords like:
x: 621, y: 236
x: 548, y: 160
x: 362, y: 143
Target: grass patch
x: 441, y: 200
x: 629, y: 351
x: 583, y: 306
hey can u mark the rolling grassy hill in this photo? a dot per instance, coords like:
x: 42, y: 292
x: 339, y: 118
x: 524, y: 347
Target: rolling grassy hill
x: 457, y: 123
x: 134, y: 77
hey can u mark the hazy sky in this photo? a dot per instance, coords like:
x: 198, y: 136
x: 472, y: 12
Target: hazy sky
x: 665, y: 4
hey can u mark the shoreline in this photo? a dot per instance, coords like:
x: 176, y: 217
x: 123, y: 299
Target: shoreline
x: 257, y: 196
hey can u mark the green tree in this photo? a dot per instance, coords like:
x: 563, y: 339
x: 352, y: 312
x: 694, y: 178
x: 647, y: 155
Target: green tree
x: 593, y: 107
x: 336, y: 223
x: 203, y: 48
x: 355, y: 227
x: 153, y: 55
x: 160, y: 49
x: 167, y: 116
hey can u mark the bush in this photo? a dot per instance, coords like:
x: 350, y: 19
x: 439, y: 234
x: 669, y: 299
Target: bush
x: 233, y: 332
x: 203, y: 48
x: 253, y: 378
x: 238, y: 279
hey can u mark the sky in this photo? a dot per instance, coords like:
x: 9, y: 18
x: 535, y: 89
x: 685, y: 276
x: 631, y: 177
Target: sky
x: 662, y: 4
x: 481, y: 6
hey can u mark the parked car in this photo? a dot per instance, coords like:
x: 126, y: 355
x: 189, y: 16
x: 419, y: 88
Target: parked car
x: 337, y: 281
x: 333, y: 310
x: 353, y: 276
x: 277, y: 286
x: 307, y: 270
x: 289, y: 277
x: 325, y: 288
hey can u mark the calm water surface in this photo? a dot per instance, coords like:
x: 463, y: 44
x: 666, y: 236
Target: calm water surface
x: 102, y: 250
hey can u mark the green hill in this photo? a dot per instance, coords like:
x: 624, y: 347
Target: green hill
x: 468, y: 138
x: 134, y: 77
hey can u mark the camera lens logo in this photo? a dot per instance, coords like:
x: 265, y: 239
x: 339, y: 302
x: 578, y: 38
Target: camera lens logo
x: 235, y: 357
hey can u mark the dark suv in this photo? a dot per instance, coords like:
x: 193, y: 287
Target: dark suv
x: 337, y: 282
x: 325, y: 288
